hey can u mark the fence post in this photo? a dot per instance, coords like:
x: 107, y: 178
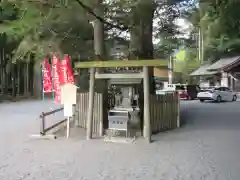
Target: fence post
x: 42, y: 125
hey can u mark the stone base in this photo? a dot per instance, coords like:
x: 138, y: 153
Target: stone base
x: 119, y: 140
x: 48, y: 137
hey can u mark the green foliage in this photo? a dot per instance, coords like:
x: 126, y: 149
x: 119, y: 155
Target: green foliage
x: 45, y: 28
x: 56, y: 26
x: 220, y: 22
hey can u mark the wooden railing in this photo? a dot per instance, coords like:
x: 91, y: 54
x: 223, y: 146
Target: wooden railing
x: 43, y: 128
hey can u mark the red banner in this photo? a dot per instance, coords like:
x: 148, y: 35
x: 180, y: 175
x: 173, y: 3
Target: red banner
x: 56, y: 78
x: 47, y: 82
x: 70, y: 76
x: 63, y: 72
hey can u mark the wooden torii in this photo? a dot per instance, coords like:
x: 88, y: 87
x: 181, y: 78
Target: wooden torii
x: 144, y: 74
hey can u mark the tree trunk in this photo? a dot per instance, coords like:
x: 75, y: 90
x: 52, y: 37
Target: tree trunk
x: 101, y: 85
x: 141, y: 45
x: 26, y: 79
x: 37, y: 80
x: 2, y: 81
x: 99, y: 47
x: 13, y: 80
x: 18, y: 78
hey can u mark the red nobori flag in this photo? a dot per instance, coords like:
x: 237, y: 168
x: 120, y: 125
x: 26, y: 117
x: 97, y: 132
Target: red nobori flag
x: 63, y: 72
x: 70, y: 76
x: 47, y: 82
x: 56, y: 78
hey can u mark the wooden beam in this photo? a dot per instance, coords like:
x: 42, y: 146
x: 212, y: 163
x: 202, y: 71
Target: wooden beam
x: 119, y: 76
x: 116, y: 63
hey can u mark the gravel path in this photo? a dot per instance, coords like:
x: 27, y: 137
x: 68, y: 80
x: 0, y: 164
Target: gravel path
x: 205, y: 148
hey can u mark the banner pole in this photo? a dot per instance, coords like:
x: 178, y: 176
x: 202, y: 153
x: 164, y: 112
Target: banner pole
x: 42, y: 83
x: 52, y: 78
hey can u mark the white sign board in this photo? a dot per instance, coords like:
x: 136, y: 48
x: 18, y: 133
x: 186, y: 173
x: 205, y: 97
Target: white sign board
x: 68, y: 110
x: 68, y: 94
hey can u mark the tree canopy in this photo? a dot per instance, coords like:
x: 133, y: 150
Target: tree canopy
x: 220, y: 23
x: 42, y: 27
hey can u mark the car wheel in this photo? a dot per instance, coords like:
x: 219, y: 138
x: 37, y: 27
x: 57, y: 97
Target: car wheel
x: 234, y: 98
x: 201, y: 100
x: 219, y: 99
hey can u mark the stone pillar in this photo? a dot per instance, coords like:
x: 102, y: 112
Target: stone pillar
x: 233, y: 84
x: 224, y: 79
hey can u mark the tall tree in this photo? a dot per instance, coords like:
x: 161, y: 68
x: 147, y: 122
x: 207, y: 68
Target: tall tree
x: 219, y: 21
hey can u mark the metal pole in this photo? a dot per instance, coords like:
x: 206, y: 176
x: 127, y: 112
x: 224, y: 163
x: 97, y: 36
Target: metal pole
x: 200, y: 45
x: 42, y: 84
x: 170, y: 71
x: 52, y: 78
x: 146, y: 88
x: 68, y: 127
x: 90, y: 103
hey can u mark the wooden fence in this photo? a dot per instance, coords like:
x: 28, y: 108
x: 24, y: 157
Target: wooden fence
x: 164, y: 112
x: 82, y: 111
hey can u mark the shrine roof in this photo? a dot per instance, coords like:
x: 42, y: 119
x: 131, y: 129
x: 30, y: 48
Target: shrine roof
x: 224, y: 63
x: 202, y: 70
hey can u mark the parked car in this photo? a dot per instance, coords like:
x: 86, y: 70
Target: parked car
x: 217, y: 94
x: 188, y: 92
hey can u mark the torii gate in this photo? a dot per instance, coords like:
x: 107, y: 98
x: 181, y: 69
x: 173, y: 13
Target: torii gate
x: 144, y: 74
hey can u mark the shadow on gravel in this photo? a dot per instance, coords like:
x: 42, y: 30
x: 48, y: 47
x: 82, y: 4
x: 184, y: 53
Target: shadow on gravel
x: 214, y: 102
x: 183, y: 118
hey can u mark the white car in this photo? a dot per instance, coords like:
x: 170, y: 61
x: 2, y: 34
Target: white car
x: 218, y: 94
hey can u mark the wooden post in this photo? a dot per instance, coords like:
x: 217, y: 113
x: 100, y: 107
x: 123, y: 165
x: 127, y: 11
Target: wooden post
x: 42, y: 127
x: 146, y: 88
x: 90, y: 103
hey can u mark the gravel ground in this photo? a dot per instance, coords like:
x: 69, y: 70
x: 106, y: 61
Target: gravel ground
x: 205, y: 148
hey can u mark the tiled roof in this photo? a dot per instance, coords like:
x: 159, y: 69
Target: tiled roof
x: 223, y: 63
x: 202, y: 70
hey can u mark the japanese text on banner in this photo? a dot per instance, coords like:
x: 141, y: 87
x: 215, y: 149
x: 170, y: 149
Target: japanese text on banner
x: 47, y: 82
x: 63, y: 71
x: 70, y: 76
x: 56, y: 78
